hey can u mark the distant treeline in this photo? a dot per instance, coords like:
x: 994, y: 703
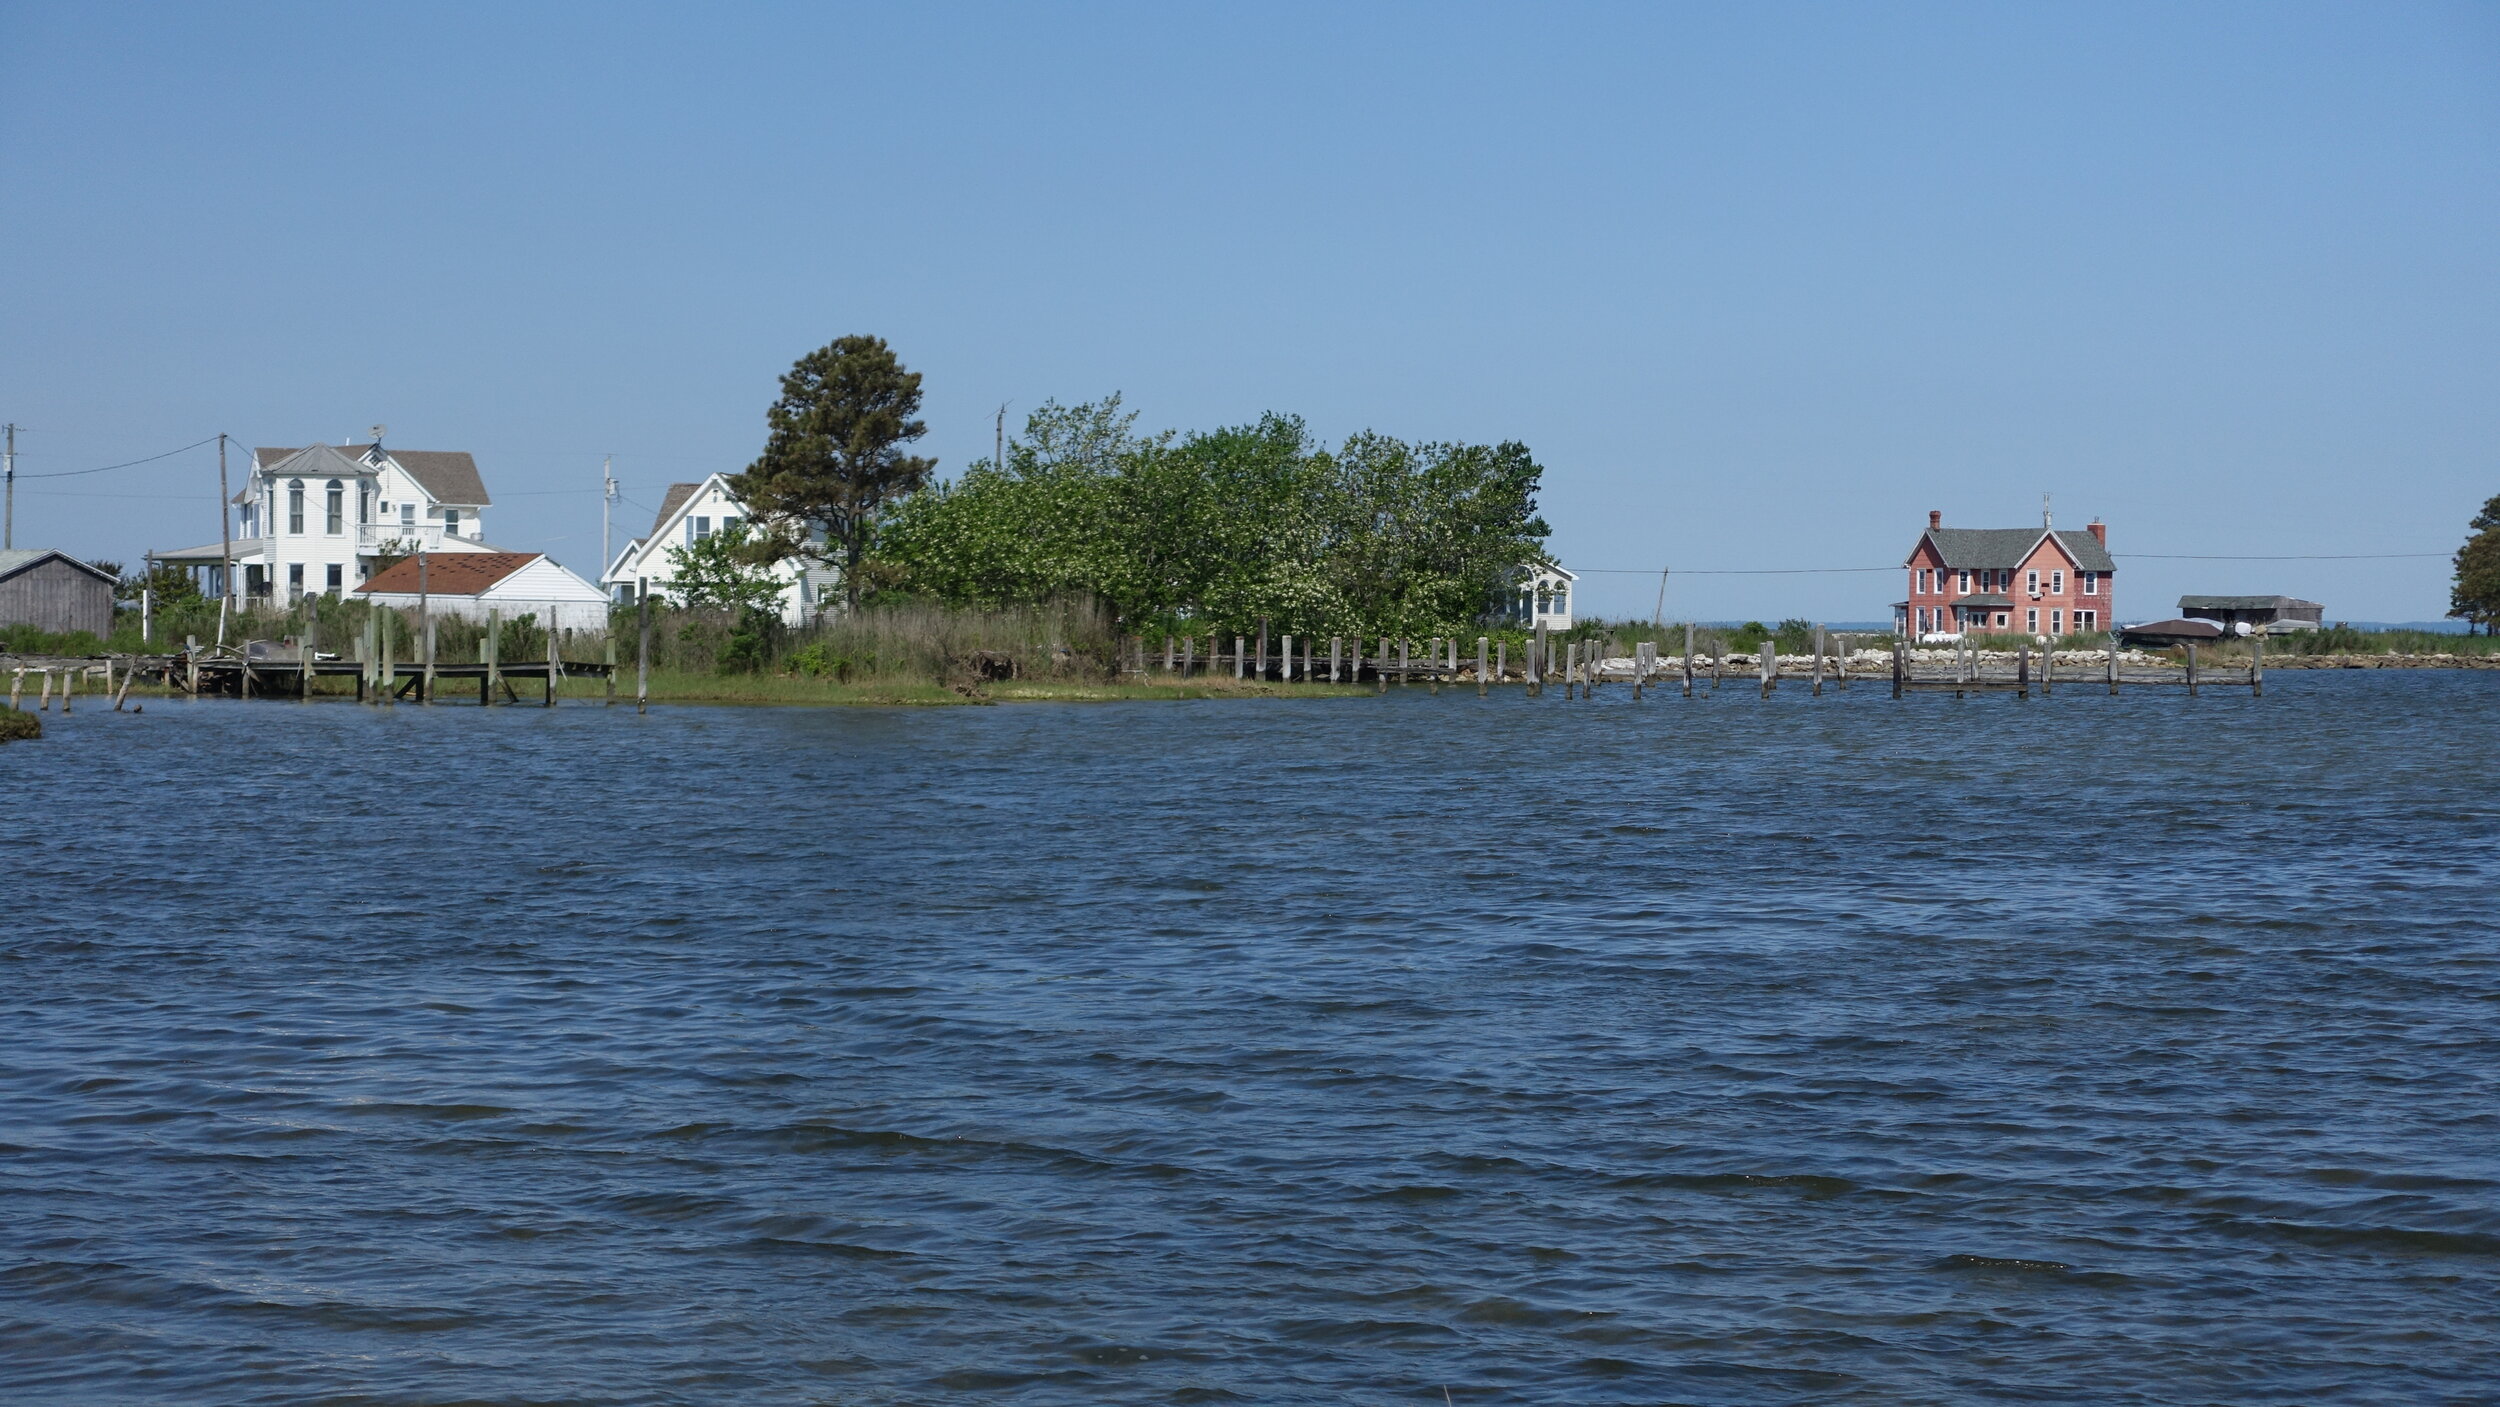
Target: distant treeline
x: 1218, y: 530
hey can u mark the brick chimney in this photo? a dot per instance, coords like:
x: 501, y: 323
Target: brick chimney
x: 1935, y: 519
x: 2099, y: 531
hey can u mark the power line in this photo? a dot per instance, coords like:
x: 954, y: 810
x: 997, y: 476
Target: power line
x: 2297, y: 557
x: 151, y: 459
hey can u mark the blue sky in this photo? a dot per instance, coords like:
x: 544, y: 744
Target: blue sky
x: 1760, y: 284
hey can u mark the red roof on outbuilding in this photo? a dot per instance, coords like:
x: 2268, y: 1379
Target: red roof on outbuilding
x: 450, y: 573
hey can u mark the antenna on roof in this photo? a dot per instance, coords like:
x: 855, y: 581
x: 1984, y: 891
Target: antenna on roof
x: 2044, y: 511
x: 377, y: 433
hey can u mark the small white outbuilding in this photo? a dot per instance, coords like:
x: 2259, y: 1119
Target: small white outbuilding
x: 469, y: 584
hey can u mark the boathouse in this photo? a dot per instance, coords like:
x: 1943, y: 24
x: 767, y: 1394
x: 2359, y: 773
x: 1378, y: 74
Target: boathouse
x: 2242, y: 615
x: 2030, y: 581
x: 469, y: 584
x: 1540, y: 595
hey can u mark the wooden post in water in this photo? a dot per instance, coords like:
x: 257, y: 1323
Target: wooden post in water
x: 1406, y: 661
x: 1482, y: 682
x: 2113, y: 663
x: 2191, y: 669
x: 1536, y: 663
x: 69, y: 687
x: 307, y: 647
x: 494, y: 657
x: 1501, y: 660
x: 129, y: 673
x: 555, y: 659
x: 389, y: 669
x: 425, y: 628
x: 2022, y: 670
x: 1380, y: 665
x: 611, y: 703
x: 1688, y: 659
x: 1769, y: 657
x: 642, y: 651
x: 2257, y: 666
x: 1818, y: 661
x: 1900, y: 666
x: 191, y: 658
x: 17, y: 687
x: 2048, y: 666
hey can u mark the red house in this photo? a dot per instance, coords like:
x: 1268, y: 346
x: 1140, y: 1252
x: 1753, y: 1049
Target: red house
x: 2024, y: 581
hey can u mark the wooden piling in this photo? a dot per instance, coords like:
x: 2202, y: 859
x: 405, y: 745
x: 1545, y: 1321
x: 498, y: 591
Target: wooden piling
x: 1406, y: 660
x: 388, y: 674
x: 1536, y: 663
x: 611, y: 703
x: 1380, y: 665
x: 1900, y: 666
x: 129, y: 673
x: 642, y: 649
x: 1287, y: 659
x: 2022, y: 671
x: 307, y: 649
x: 1501, y: 659
x: 1240, y: 658
x: 2191, y: 669
x: 1769, y: 658
x: 191, y: 658
x: 17, y: 688
x: 1262, y: 670
x: 1167, y: 655
x: 1189, y: 654
x: 555, y: 659
x: 1481, y: 681
x: 1688, y: 659
x: 494, y: 657
x: 2113, y: 663
x: 44, y: 704
x: 2257, y: 666
x: 69, y: 687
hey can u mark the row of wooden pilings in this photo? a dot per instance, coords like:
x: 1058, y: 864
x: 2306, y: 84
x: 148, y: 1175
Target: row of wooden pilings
x: 1579, y: 667
x: 69, y: 674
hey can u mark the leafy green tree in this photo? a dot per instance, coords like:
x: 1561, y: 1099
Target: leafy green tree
x: 833, y: 460
x: 166, y: 585
x: 725, y: 569
x: 2475, y: 598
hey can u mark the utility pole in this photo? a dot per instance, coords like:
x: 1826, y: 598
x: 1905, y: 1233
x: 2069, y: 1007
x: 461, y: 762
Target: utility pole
x: 8, y: 528
x: 1658, y: 617
x: 607, y: 509
x: 225, y: 533
x: 998, y: 458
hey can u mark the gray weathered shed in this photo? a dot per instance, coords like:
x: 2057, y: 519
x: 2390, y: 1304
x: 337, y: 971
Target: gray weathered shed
x: 51, y: 590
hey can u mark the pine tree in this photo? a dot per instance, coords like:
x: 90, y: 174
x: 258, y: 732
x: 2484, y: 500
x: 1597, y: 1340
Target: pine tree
x: 833, y: 459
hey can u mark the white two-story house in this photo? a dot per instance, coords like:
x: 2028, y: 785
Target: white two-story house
x: 690, y: 514
x: 319, y: 520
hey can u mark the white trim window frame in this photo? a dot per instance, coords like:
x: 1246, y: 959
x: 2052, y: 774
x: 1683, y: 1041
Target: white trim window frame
x: 2057, y: 582
x: 2031, y: 586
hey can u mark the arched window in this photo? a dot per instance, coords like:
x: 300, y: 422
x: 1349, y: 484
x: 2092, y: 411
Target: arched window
x: 1562, y: 598
x: 335, y: 520
x: 295, y: 505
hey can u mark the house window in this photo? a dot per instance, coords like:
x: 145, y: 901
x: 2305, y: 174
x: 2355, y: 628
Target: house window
x: 2057, y: 583
x: 2091, y: 583
x: 294, y: 579
x: 729, y: 525
x: 334, y: 571
x: 2057, y: 622
x: 407, y: 515
x: 1962, y: 583
x: 451, y: 521
x: 2087, y: 620
x: 2031, y: 585
x: 1560, y: 596
x: 335, y: 510
x: 702, y: 528
x: 2031, y: 621
x: 2000, y: 620
x: 295, y: 507
x: 364, y: 504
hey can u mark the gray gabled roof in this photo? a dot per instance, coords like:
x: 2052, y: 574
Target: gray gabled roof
x: 1972, y: 549
x: 676, y: 499
x: 18, y: 559
x: 449, y: 476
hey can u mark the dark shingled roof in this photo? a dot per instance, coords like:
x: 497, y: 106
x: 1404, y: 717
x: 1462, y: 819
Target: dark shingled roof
x: 450, y: 573
x: 1972, y: 549
x: 2244, y: 603
x: 676, y: 499
x: 450, y: 475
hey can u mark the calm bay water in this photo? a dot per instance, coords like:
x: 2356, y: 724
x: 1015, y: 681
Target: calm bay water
x: 1722, y: 1051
